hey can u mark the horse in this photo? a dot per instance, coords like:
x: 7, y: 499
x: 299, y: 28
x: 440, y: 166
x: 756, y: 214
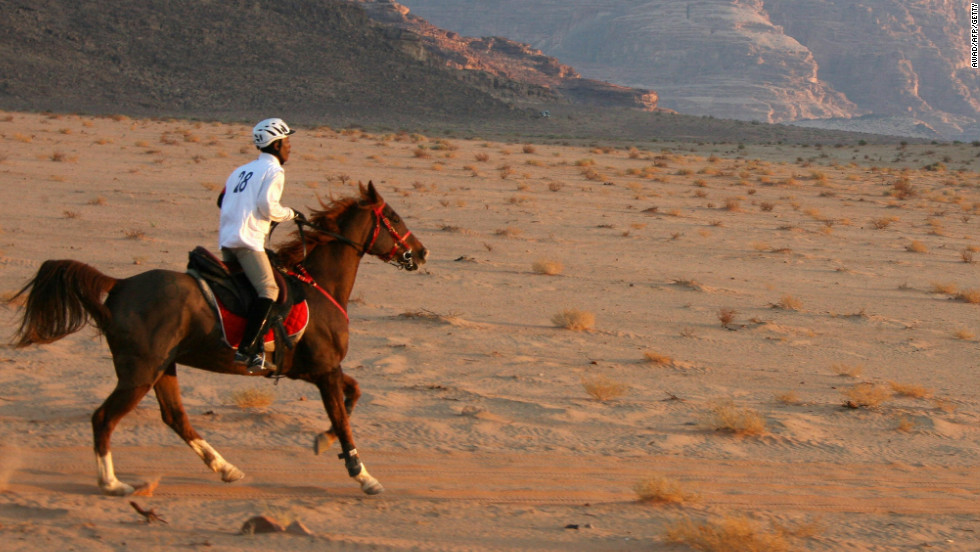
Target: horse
x: 158, y: 319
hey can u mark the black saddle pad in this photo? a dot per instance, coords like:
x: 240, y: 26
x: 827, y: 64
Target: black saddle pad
x: 231, y: 286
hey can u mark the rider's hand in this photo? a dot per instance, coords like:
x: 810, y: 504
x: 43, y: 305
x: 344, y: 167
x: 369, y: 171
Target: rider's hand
x: 299, y: 216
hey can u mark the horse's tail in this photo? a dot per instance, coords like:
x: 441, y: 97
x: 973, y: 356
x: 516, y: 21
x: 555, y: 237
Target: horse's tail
x: 63, y: 297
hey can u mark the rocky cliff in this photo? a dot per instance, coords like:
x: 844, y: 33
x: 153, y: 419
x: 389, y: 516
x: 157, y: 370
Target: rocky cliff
x: 510, y: 65
x: 893, y: 64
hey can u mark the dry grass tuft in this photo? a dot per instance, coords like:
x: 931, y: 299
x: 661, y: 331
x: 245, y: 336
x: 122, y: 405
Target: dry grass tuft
x: 915, y: 246
x: 866, y: 395
x: 910, y: 390
x: 726, y: 316
x: 573, y: 319
x: 256, y: 397
x: 964, y: 334
x: 787, y: 398
x: 847, y: 370
x: 423, y: 314
x: 883, y: 222
x: 658, y: 489
x: 788, y: 302
x: 944, y: 288
x: 604, y: 388
x: 727, y: 417
x: 508, y: 232
x: 543, y: 266
x: 658, y: 359
x: 971, y: 296
x: 736, y: 534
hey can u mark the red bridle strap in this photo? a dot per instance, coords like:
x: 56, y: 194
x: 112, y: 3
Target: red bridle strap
x: 302, y: 275
x: 399, y: 239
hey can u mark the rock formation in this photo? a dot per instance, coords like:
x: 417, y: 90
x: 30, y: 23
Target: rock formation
x: 900, y: 64
x: 509, y: 63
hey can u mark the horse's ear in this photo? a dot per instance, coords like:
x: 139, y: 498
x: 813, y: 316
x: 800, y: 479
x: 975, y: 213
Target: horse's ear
x: 370, y: 194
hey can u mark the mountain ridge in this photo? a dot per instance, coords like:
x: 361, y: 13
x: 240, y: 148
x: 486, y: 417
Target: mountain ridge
x: 893, y: 64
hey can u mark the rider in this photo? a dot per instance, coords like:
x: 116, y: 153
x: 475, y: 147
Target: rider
x: 249, y: 205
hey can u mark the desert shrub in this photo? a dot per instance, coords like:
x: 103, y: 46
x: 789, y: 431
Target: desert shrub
x: 910, y: 390
x: 866, y: 395
x: 544, y: 266
x: 971, y: 296
x: 658, y: 489
x: 727, y: 417
x: 735, y: 534
x: 726, y: 316
x: 788, y: 302
x: 847, y: 370
x: 653, y: 357
x: 574, y: 319
x: 256, y: 397
x: 604, y: 388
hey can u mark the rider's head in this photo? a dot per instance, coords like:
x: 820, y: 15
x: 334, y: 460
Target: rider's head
x: 272, y: 136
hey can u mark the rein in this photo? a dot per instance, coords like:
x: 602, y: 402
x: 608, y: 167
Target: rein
x: 303, y: 276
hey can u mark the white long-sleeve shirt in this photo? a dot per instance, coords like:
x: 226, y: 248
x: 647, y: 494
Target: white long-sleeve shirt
x: 251, y: 203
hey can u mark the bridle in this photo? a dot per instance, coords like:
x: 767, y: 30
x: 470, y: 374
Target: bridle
x: 380, y: 219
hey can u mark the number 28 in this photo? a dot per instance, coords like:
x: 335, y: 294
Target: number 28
x: 243, y: 178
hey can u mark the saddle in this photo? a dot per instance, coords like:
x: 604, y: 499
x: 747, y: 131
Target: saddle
x: 231, y: 294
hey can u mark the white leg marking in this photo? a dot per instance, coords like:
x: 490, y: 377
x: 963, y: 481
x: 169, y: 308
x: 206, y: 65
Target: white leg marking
x: 369, y: 484
x: 107, y: 478
x: 215, y: 461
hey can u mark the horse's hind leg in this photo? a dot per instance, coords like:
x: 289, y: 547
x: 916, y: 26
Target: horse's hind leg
x: 174, y: 415
x: 119, y: 403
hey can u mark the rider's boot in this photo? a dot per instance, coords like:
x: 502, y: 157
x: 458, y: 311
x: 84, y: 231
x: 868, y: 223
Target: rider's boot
x: 252, y: 346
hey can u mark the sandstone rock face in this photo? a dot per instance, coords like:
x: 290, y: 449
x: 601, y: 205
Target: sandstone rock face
x: 510, y: 64
x: 771, y: 60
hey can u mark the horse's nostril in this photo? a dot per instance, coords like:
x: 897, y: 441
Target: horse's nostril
x: 424, y: 254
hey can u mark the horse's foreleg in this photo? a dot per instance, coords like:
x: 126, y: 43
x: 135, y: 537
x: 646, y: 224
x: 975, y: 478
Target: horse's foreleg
x: 174, y: 415
x: 352, y: 392
x: 119, y: 403
x: 332, y: 389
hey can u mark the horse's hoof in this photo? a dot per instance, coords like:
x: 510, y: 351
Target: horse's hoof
x: 231, y: 474
x: 369, y: 484
x: 117, y: 489
x: 323, y: 441
x: 373, y: 488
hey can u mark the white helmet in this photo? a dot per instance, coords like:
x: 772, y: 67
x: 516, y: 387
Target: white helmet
x: 270, y: 130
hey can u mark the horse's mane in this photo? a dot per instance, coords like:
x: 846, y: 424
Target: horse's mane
x: 327, y: 218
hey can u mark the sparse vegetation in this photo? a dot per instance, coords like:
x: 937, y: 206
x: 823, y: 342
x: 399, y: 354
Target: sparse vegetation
x: 658, y: 489
x: 545, y: 266
x: 604, y: 388
x: 726, y: 316
x: 847, y: 370
x: 255, y: 397
x: 574, y: 319
x: 726, y: 416
x: 910, y: 390
x: 866, y: 395
x: 736, y: 534
x: 658, y: 359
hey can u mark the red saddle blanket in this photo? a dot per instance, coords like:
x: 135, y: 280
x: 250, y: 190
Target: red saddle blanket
x: 233, y: 325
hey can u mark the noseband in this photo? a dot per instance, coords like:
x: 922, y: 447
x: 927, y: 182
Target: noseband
x: 379, y: 219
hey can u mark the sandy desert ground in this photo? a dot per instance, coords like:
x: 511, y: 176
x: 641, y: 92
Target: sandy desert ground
x: 735, y: 300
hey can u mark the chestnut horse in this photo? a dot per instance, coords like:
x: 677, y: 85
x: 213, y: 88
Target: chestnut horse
x: 158, y: 319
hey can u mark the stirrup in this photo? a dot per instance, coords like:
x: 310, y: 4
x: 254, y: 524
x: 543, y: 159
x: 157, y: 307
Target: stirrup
x: 253, y: 364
